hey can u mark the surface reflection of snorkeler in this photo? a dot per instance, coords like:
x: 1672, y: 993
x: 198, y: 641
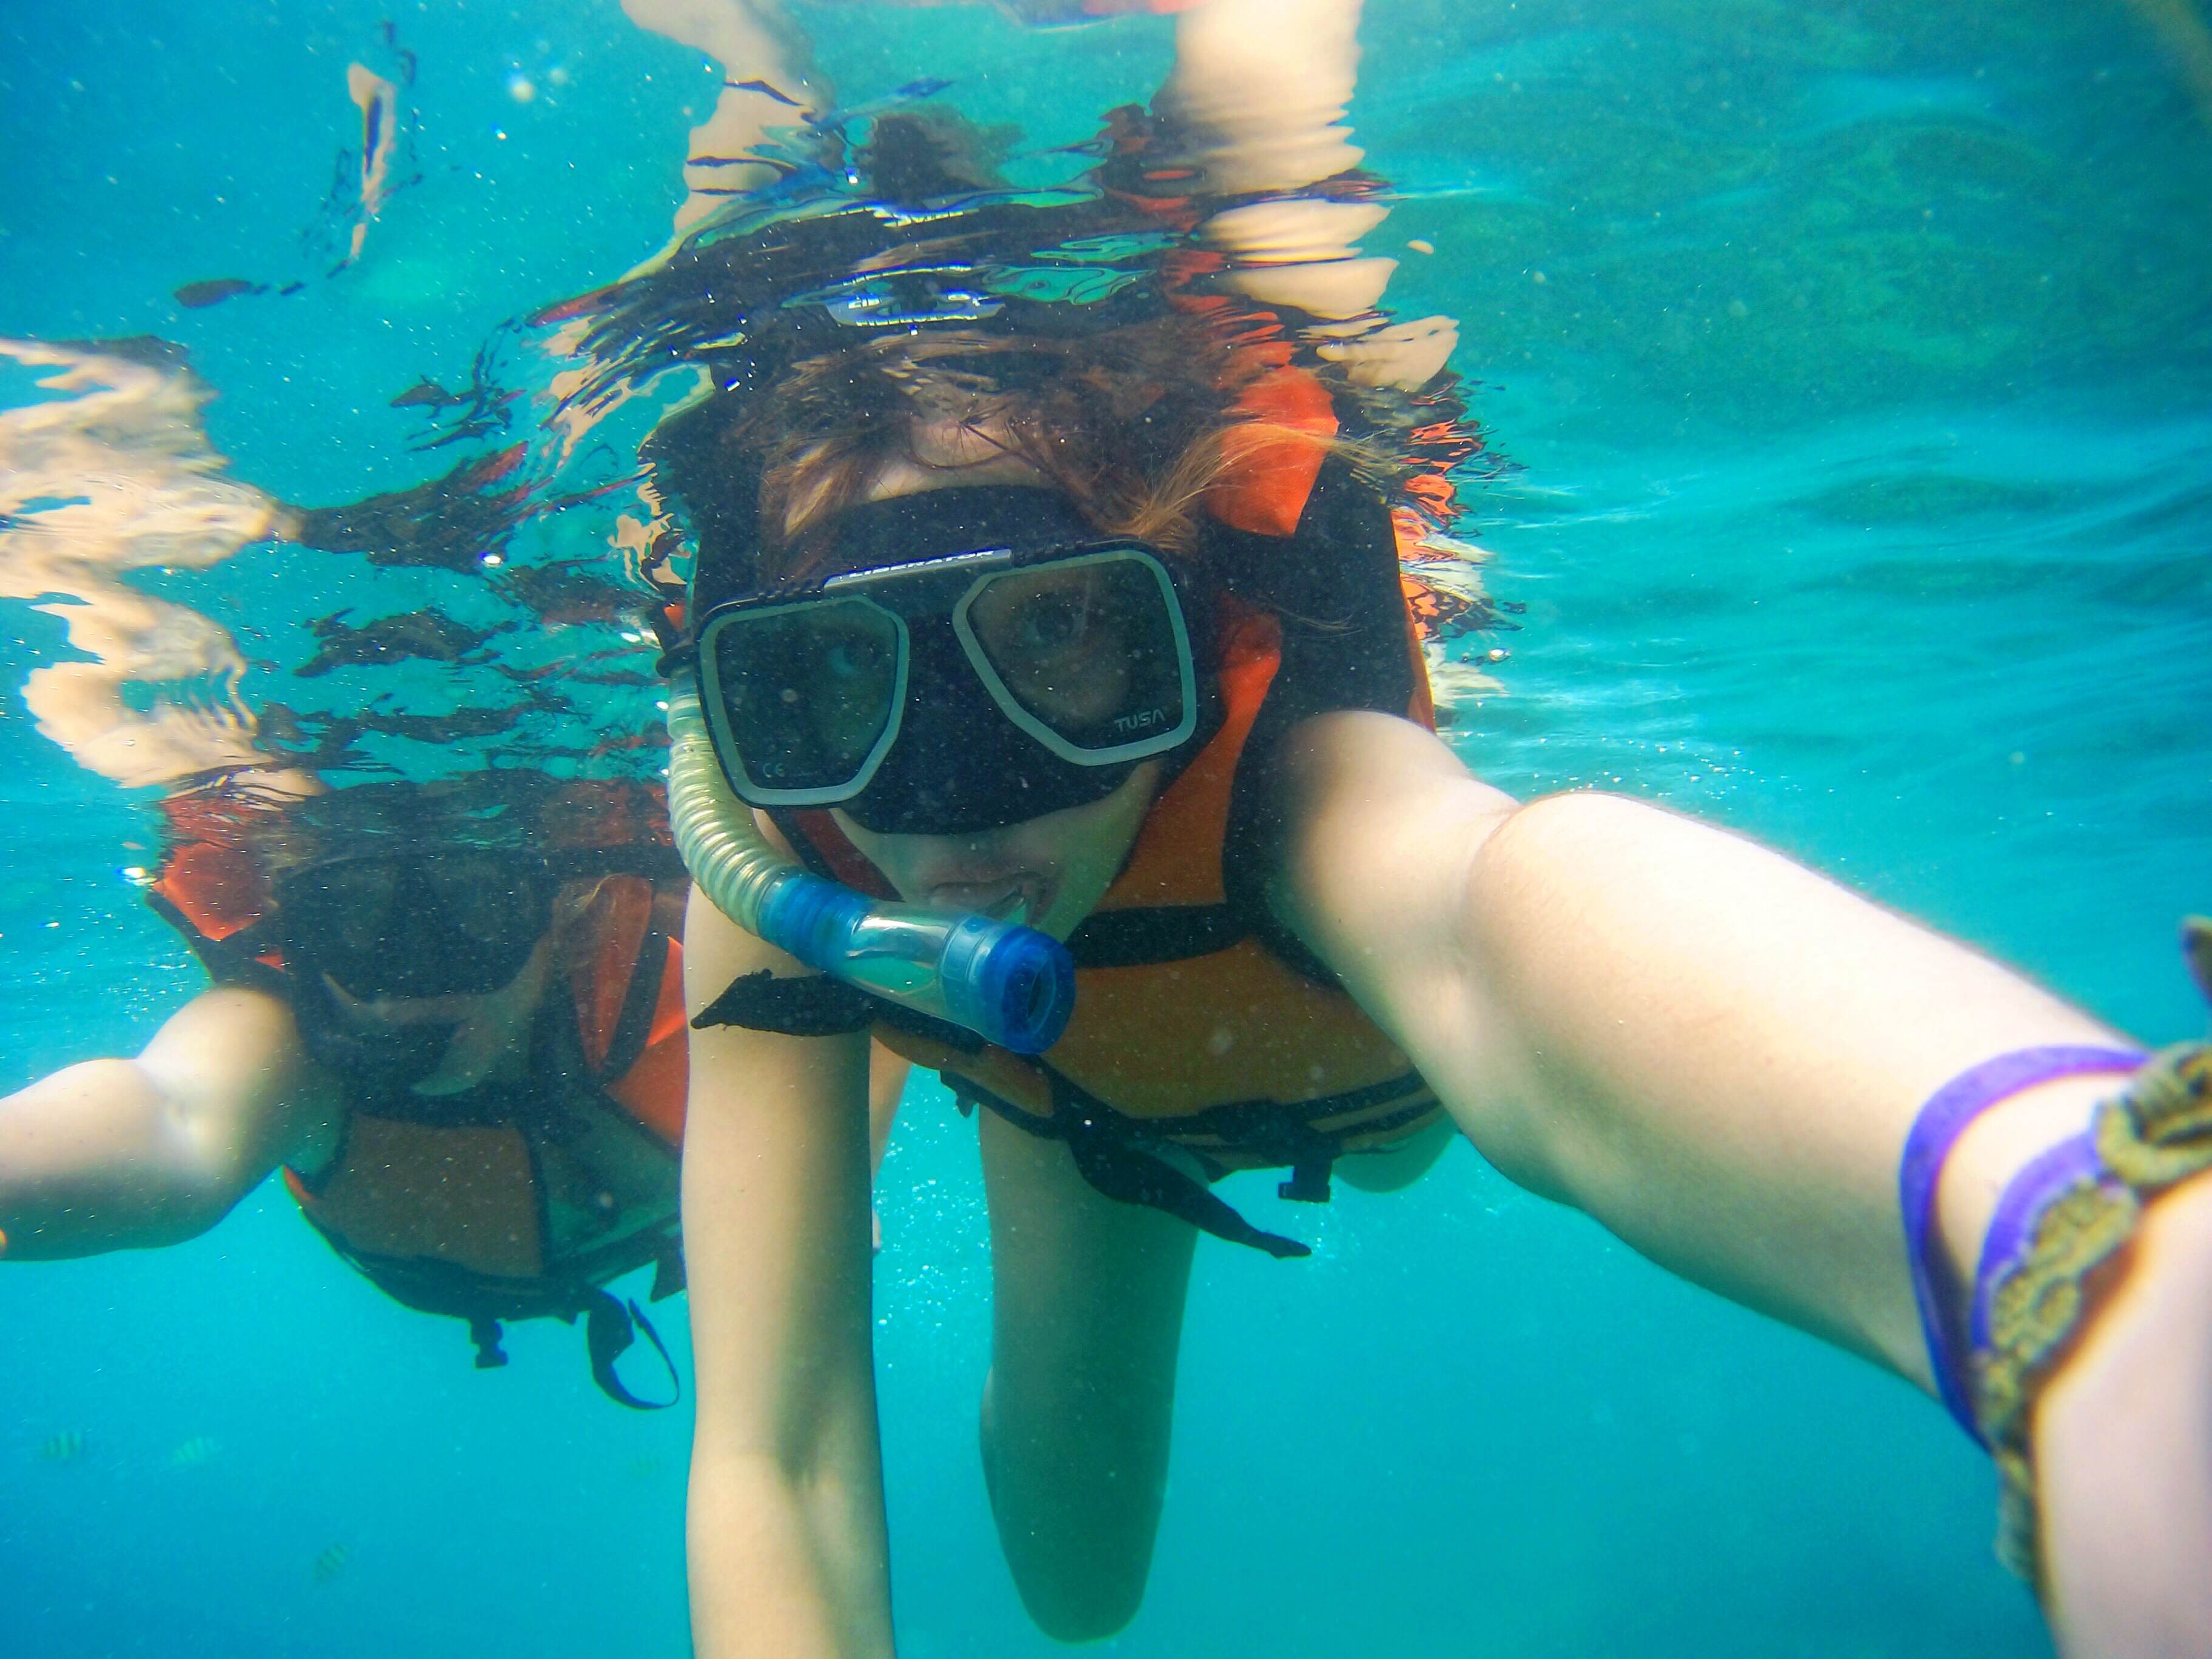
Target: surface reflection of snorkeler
x: 1044, y: 626
x: 468, y: 1059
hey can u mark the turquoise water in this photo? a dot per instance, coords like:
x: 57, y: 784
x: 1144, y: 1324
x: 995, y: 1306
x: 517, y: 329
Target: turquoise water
x: 1853, y: 363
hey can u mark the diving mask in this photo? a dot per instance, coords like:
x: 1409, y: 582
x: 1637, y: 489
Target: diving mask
x: 453, y: 921
x: 979, y: 658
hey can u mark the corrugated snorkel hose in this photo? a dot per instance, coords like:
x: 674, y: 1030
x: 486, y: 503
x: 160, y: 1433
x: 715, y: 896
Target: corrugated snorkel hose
x: 1011, y: 985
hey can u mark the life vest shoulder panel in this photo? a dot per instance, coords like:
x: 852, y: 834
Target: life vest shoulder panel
x: 495, y: 1198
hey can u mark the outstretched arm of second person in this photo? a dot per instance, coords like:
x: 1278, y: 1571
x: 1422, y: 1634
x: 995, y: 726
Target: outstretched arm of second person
x: 127, y: 1154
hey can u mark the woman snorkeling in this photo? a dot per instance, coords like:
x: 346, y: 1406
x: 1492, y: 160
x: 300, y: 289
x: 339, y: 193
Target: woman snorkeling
x: 467, y: 1055
x: 1099, y: 631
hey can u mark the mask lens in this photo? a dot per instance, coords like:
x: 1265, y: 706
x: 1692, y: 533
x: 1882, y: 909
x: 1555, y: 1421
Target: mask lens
x: 806, y: 694
x: 437, y: 924
x: 344, y: 915
x: 491, y: 906
x: 1091, y: 649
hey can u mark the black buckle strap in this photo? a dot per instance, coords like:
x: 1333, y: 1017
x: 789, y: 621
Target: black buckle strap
x: 1121, y: 1170
x: 1157, y: 933
x: 611, y: 1328
x: 668, y: 1276
x: 814, y: 1004
x: 1309, y: 1182
x: 231, y: 960
x: 484, y: 1331
x: 641, y: 1001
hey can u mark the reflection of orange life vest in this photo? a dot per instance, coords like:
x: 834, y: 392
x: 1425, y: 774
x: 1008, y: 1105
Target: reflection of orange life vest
x: 1199, y: 1024
x: 509, y: 1202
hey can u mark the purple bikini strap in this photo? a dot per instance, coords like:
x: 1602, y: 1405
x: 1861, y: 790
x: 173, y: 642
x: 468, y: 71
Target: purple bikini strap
x: 1941, y: 1121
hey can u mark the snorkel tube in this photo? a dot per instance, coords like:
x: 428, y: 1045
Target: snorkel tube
x: 1011, y: 985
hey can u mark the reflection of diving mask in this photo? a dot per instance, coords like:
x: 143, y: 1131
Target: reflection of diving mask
x: 962, y: 672
x: 443, y: 922
x: 452, y: 922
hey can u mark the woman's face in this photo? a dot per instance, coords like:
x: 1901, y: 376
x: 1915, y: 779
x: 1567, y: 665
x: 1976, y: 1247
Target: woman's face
x: 1050, y: 872
x: 483, y: 1033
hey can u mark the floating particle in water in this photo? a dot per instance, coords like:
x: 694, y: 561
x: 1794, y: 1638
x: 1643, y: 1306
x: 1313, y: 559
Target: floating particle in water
x: 63, y: 1448
x: 194, y: 1452
x: 1420, y: 244
x: 521, y: 87
x: 331, y: 1563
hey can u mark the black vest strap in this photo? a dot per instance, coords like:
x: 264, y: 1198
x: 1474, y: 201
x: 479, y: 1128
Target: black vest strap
x: 485, y: 1303
x: 813, y: 1005
x: 818, y: 1006
x: 639, y: 1001
x: 1115, y: 1152
x: 668, y: 1276
x: 1111, y: 1153
x: 486, y: 1332
x: 1135, y: 939
x: 1117, y: 1166
x: 609, y: 1329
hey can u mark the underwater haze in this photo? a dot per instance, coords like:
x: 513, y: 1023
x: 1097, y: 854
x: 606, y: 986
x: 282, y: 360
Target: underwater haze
x: 1848, y: 365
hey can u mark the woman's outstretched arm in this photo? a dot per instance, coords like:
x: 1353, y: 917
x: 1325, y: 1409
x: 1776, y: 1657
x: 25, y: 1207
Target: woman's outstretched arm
x: 130, y: 1154
x: 1710, y: 1050
x: 788, y: 1545
x: 1718, y: 1054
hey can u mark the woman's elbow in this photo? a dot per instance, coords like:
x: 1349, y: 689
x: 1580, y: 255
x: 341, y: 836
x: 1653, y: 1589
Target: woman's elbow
x: 100, y: 1156
x: 196, y: 1167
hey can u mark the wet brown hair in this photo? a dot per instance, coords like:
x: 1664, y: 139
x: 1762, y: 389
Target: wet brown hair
x: 1127, y: 424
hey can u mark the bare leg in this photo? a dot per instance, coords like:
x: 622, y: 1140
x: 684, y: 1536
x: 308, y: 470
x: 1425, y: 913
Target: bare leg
x: 887, y: 1075
x: 1087, y: 1316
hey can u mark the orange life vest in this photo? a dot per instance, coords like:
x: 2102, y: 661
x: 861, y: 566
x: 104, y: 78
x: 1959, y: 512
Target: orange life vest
x: 511, y: 1202
x: 1199, y: 1024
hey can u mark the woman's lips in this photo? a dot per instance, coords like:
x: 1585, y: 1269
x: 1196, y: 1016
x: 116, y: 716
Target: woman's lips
x: 1020, y: 897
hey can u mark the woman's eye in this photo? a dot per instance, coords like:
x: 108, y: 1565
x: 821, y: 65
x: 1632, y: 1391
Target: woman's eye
x: 1050, y: 625
x: 850, y: 658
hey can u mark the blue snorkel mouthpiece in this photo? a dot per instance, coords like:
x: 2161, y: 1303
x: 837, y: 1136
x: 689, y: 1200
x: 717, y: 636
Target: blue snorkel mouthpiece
x: 1009, y: 978
x: 1011, y: 985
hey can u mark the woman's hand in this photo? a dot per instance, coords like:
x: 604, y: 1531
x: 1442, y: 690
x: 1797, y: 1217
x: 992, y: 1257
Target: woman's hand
x: 788, y: 1555
x: 2122, y: 1439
